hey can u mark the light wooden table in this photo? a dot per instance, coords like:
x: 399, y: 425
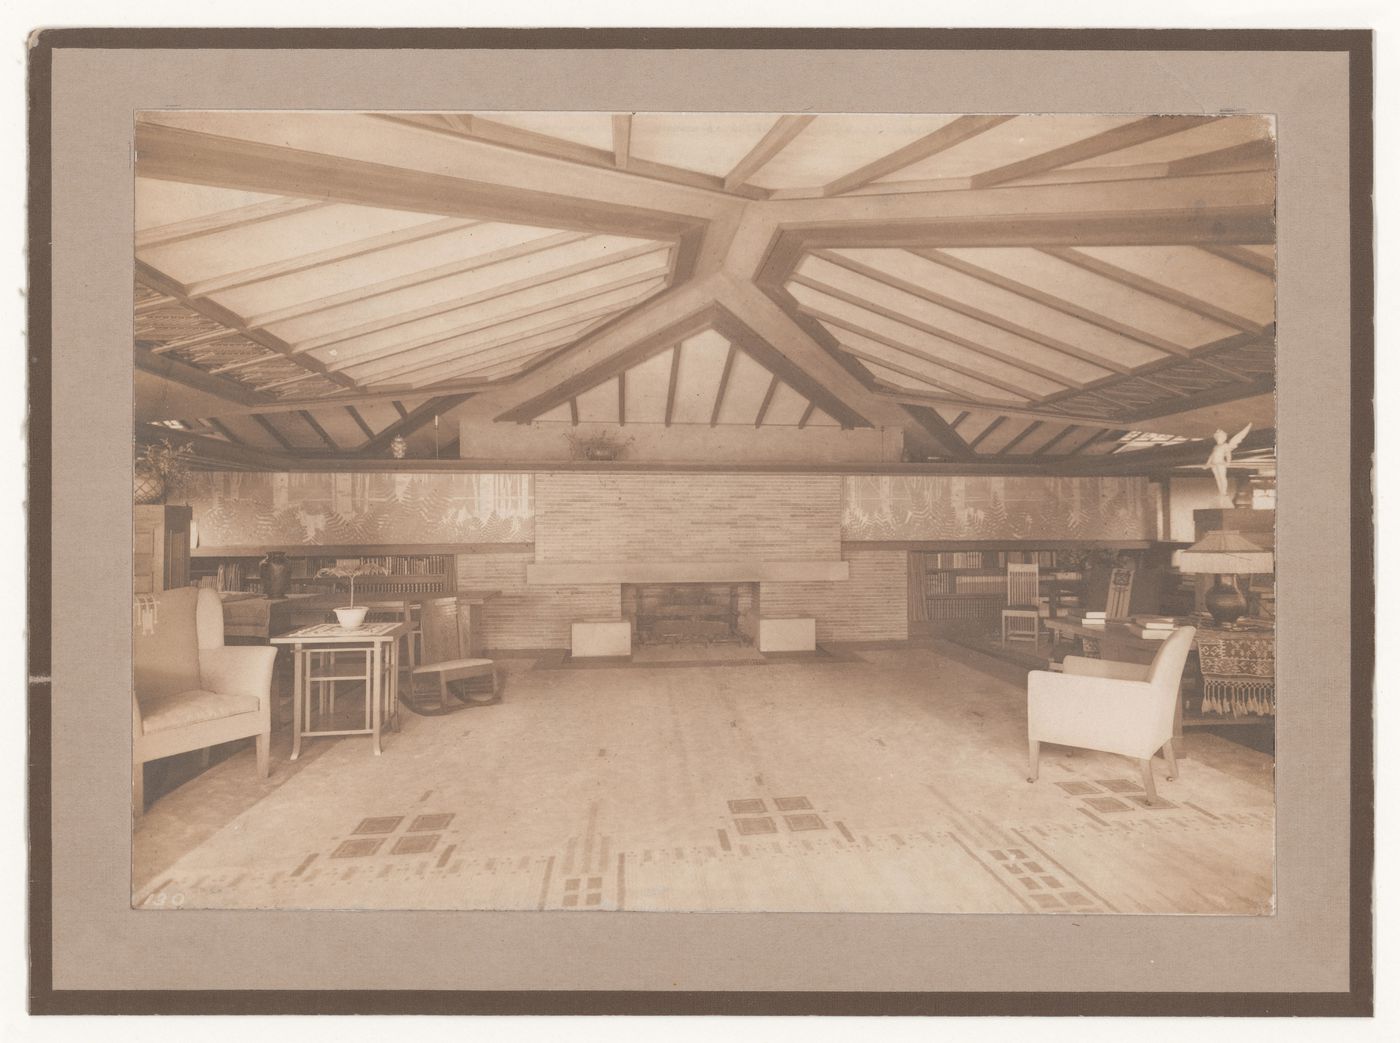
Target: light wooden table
x: 312, y: 646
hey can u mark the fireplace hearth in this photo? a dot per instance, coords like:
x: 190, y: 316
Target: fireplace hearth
x: 691, y: 613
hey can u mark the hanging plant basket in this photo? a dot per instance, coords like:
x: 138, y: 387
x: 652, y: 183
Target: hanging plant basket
x: 146, y: 485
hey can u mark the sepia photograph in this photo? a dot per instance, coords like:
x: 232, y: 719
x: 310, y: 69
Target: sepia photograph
x: 704, y: 512
x: 661, y: 522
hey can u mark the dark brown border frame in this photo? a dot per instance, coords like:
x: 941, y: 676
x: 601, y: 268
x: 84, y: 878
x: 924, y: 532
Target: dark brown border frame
x: 1358, y: 1001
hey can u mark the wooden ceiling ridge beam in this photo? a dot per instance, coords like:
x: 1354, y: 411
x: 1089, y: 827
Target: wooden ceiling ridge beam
x: 781, y: 134
x: 946, y: 137
x: 1149, y: 128
x: 412, y: 422
x: 197, y: 157
x: 461, y: 303
x: 148, y: 275
x: 1153, y: 288
x: 1050, y: 300
x: 556, y: 305
x: 223, y: 221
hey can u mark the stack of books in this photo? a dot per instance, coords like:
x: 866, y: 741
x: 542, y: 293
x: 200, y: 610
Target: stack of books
x: 1153, y: 628
x: 1091, y: 619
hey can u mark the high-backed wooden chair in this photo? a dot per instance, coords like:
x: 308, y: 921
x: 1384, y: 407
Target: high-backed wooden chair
x: 1123, y: 708
x: 191, y: 690
x: 447, y: 660
x: 1022, y: 604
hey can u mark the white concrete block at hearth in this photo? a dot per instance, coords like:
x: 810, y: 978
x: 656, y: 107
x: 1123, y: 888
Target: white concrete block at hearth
x: 787, y: 635
x: 601, y: 637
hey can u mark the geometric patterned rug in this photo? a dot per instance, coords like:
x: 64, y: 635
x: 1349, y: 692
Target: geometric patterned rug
x: 891, y: 784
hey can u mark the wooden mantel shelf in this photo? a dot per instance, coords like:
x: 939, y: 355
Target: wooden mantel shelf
x: 562, y: 574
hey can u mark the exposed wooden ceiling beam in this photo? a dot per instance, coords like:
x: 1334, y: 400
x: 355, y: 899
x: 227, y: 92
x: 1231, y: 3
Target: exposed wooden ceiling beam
x: 1153, y: 288
x: 1257, y: 154
x: 622, y: 140
x: 223, y: 429
x: 410, y: 423
x: 767, y: 400
x: 622, y: 399
x: 277, y: 435
x: 981, y: 435
x: 915, y: 355
x: 315, y: 425
x: 1106, y: 433
x: 942, y: 139
x: 196, y: 157
x: 777, y: 138
x: 228, y: 455
x: 1149, y: 128
x: 1245, y: 257
x: 723, y: 384
x: 355, y: 416
x: 1057, y: 303
x: 959, y: 419
x: 915, y: 398
x: 502, y: 135
x: 1029, y: 429
x: 941, y: 431
x: 671, y: 386
x: 221, y: 221
x: 806, y: 415
x: 573, y: 411
x: 1055, y: 439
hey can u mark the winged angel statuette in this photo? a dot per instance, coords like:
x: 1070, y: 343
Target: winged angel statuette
x: 1218, y: 463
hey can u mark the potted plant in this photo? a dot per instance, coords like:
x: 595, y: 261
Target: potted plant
x: 161, y: 471
x: 352, y: 616
x: 601, y: 446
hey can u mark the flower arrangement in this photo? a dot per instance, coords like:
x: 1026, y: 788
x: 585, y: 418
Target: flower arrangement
x: 164, y: 467
x: 601, y: 446
x: 350, y: 570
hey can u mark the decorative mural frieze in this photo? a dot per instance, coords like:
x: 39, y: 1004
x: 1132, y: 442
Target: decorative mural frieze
x: 995, y: 507
x: 247, y: 509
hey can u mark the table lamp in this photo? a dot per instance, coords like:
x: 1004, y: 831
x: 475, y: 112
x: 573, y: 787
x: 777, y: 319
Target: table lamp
x: 1225, y: 554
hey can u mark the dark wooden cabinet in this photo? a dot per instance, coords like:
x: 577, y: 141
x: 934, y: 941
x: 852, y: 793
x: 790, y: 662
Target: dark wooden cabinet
x: 160, y: 547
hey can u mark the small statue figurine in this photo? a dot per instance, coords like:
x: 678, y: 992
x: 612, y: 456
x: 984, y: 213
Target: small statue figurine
x: 1218, y: 463
x: 399, y: 447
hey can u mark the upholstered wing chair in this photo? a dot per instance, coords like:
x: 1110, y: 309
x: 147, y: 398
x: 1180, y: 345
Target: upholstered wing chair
x: 1123, y: 708
x: 191, y: 690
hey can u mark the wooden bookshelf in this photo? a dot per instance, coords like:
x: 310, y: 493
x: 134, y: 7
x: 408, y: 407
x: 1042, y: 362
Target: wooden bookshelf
x: 407, y: 573
x: 961, y: 587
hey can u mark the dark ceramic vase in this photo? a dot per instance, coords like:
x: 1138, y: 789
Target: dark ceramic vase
x: 276, y: 574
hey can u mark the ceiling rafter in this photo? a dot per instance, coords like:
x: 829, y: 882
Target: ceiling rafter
x: 1241, y: 255
x: 222, y: 221
x: 768, y: 147
x: 1142, y: 283
x: 1052, y: 301
x: 622, y: 140
x: 1028, y: 430
x: 315, y: 425
x: 672, y: 384
x: 942, y: 139
x: 1149, y: 128
x: 723, y: 383
x: 412, y: 422
x: 953, y: 444
x: 1257, y: 155
x: 462, y: 302
x: 502, y: 135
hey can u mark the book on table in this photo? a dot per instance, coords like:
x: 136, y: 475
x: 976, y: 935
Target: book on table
x: 1150, y: 633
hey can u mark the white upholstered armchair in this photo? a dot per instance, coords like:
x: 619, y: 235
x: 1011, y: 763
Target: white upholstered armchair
x: 191, y: 690
x: 1123, y: 708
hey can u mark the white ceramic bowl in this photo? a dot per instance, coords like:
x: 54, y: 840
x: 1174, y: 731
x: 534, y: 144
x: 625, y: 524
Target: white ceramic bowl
x: 352, y: 617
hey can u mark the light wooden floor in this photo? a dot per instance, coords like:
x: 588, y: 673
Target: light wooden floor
x: 892, y: 781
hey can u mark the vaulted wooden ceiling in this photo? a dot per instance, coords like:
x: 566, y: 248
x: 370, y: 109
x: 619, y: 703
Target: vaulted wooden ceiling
x: 1009, y: 286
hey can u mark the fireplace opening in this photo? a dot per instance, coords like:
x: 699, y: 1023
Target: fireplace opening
x: 691, y: 613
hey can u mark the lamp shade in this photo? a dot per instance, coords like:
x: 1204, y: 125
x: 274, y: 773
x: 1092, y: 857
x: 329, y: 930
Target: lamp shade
x: 1225, y: 553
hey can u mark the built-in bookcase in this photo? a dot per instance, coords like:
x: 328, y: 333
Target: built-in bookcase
x: 968, y: 587
x: 406, y: 573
